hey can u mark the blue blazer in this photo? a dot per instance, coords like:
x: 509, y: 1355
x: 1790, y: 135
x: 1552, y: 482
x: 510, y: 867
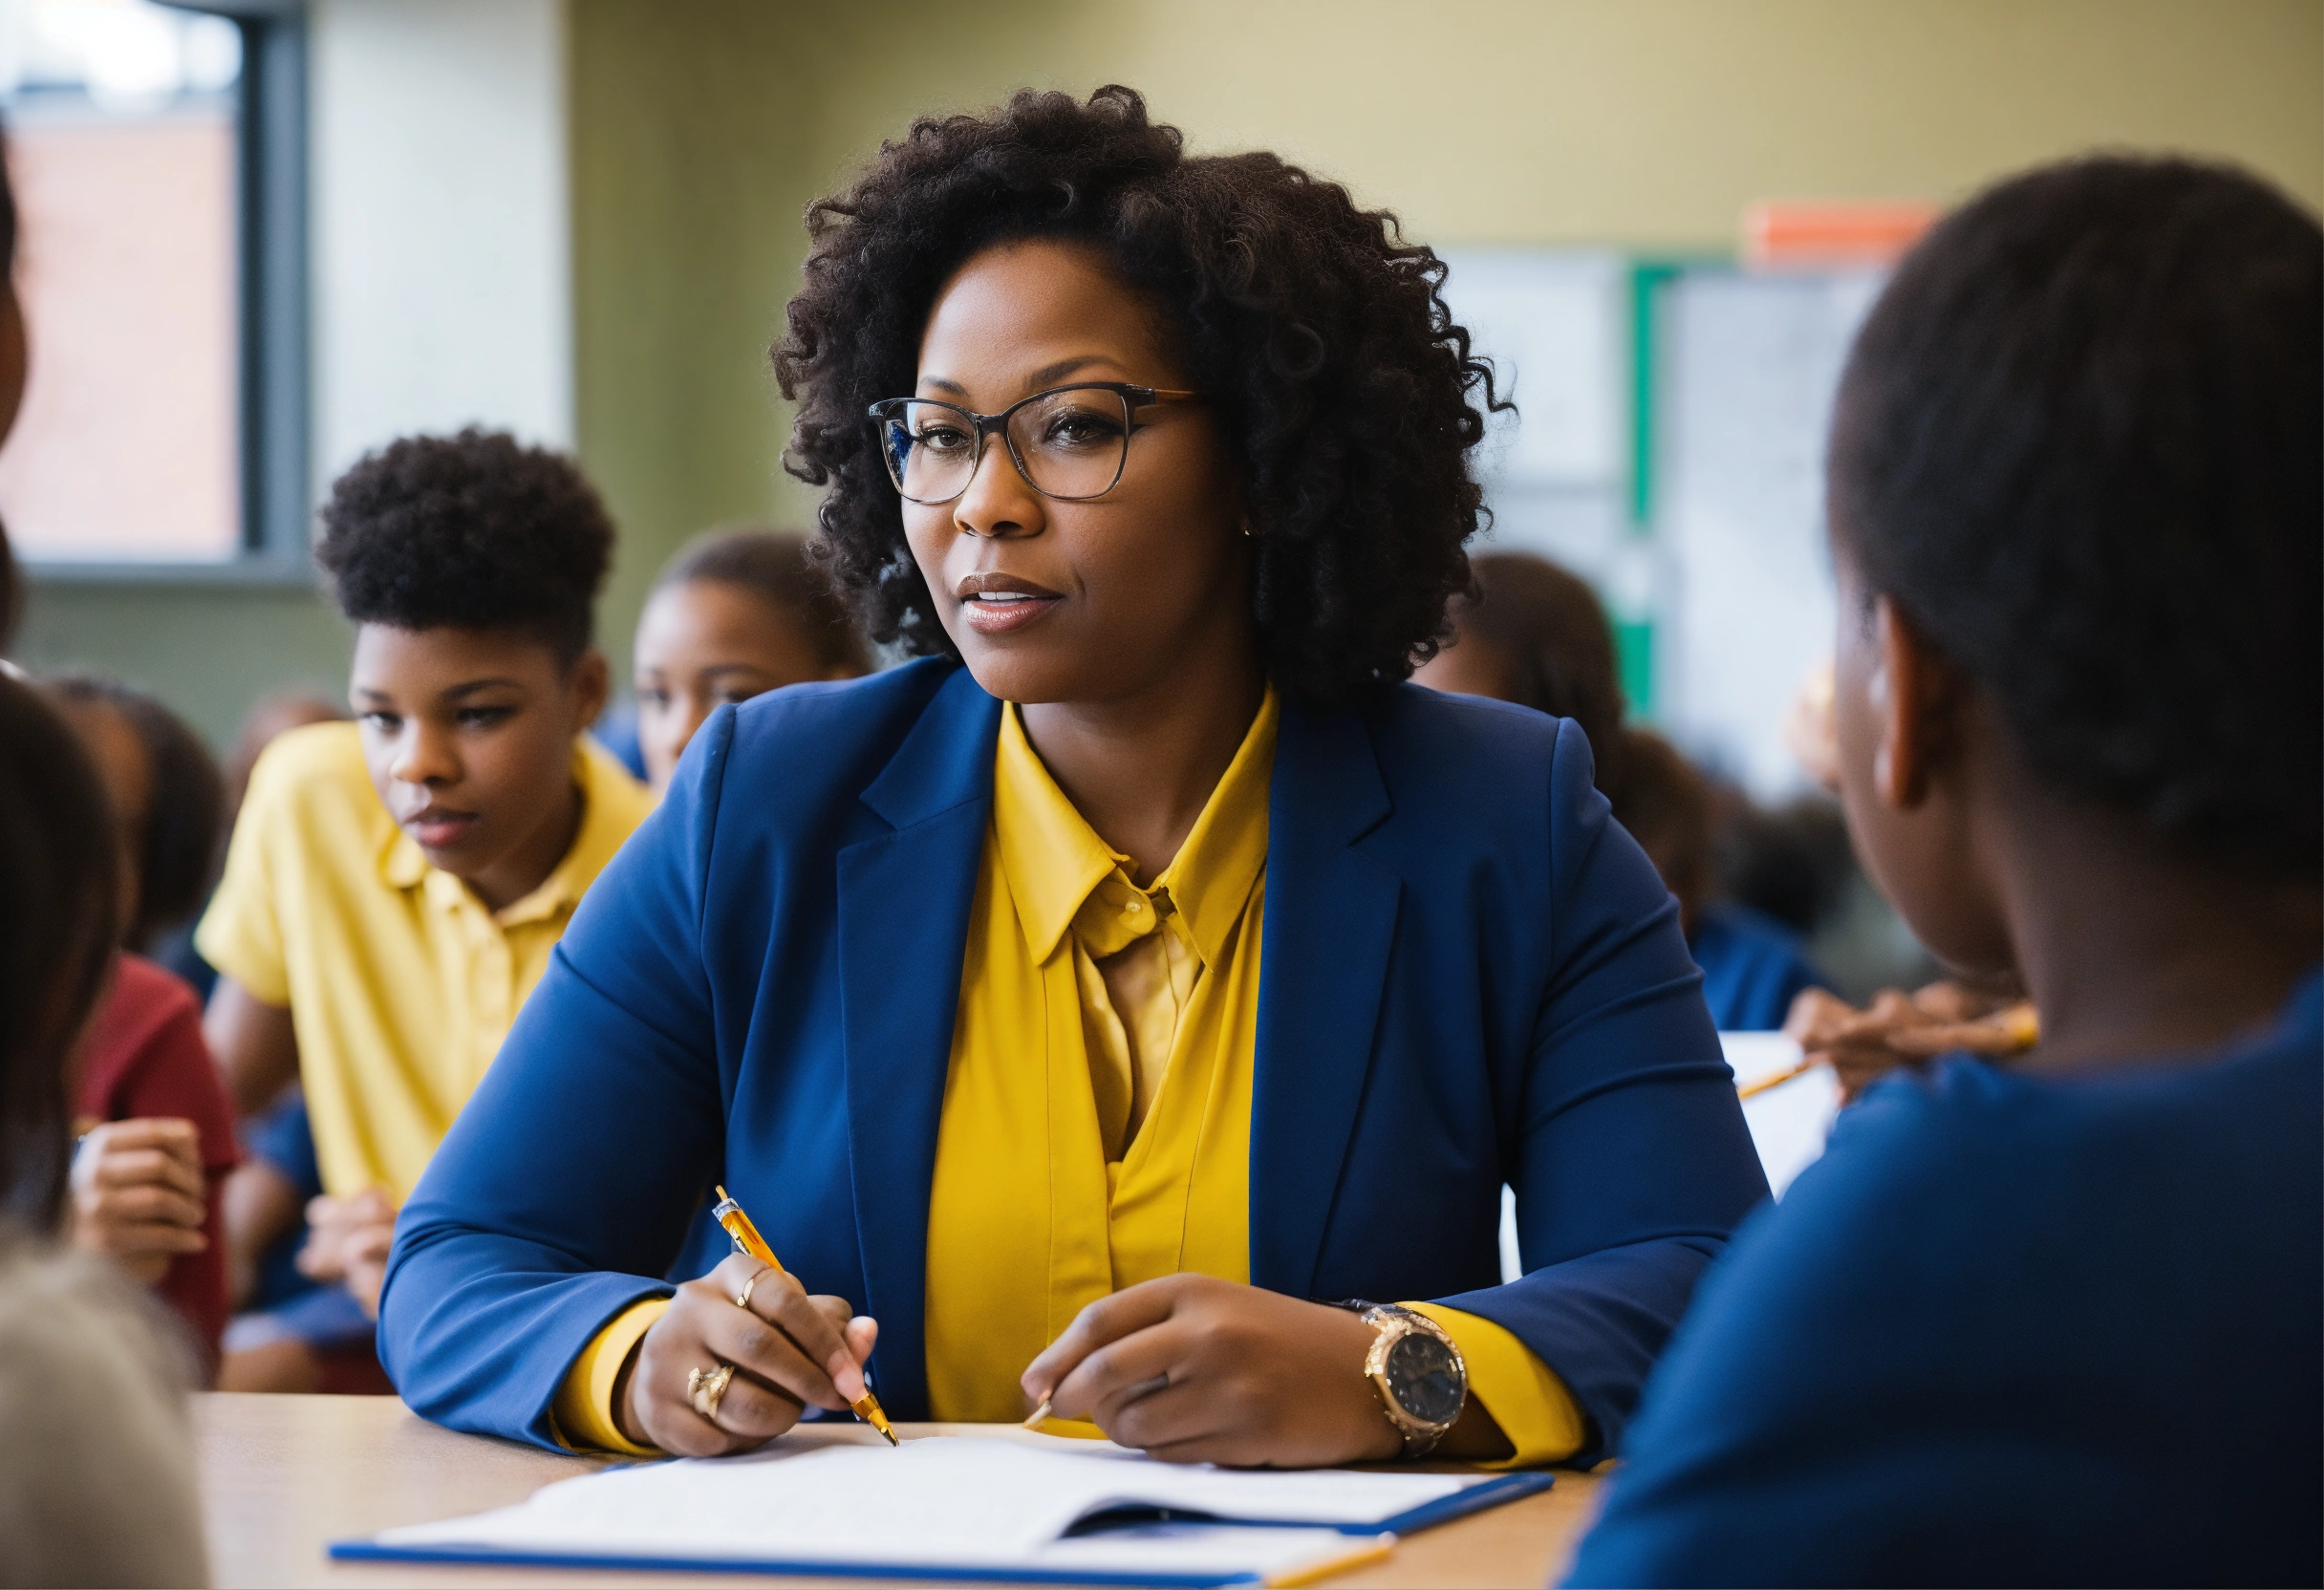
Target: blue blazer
x: 1470, y: 975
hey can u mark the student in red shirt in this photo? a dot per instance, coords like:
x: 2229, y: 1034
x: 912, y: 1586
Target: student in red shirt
x: 157, y: 1127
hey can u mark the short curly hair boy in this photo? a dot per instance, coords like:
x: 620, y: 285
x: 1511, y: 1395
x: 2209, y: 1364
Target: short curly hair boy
x: 472, y: 531
x: 1321, y: 336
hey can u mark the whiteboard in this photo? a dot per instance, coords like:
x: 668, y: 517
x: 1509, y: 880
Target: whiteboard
x: 1730, y: 567
x: 1746, y: 367
x: 1555, y: 473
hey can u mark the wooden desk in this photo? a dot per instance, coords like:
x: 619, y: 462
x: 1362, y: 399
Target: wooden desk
x: 284, y: 1477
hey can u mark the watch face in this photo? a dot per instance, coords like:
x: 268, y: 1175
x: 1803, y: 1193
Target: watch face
x: 1422, y: 1378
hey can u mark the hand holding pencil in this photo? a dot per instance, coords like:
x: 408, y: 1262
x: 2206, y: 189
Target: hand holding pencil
x: 752, y: 1332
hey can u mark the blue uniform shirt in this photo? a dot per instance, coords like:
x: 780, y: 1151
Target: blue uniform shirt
x: 1752, y: 967
x: 2011, y: 1329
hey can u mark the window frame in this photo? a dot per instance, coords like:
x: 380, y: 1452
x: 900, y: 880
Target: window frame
x: 272, y: 363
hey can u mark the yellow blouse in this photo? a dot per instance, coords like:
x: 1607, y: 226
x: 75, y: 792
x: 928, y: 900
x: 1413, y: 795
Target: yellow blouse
x: 1112, y: 1028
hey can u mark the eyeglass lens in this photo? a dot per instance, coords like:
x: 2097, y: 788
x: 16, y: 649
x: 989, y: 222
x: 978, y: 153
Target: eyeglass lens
x: 1070, y: 444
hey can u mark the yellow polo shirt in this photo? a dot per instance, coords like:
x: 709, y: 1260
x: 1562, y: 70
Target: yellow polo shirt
x: 400, y: 982
x: 1113, y: 1027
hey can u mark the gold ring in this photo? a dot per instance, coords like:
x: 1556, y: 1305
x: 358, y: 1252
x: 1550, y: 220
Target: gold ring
x: 705, y: 1387
x: 741, y: 1299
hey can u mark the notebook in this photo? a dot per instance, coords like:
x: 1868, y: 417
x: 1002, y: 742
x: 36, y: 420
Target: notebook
x: 957, y: 1507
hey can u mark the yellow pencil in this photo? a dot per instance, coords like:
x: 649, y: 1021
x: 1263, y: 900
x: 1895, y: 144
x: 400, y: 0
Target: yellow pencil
x: 746, y: 1237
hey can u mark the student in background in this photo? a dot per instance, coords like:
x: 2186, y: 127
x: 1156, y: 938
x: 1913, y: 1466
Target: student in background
x: 395, y: 886
x: 271, y: 716
x: 1536, y: 634
x: 1753, y: 965
x: 733, y: 614
x: 2059, y: 1324
x: 157, y: 1127
x: 96, y: 1483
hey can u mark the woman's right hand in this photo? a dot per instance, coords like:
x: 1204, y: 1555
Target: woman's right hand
x: 788, y: 1349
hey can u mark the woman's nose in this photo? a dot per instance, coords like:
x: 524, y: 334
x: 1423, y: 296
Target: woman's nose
x: 998, y: 500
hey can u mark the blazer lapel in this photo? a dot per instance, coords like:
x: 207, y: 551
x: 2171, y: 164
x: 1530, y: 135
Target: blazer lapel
x: 904, y: 898
x: 1330, y: 922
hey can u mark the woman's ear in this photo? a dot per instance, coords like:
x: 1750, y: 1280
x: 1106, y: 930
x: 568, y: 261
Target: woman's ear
x: 1911, y: 690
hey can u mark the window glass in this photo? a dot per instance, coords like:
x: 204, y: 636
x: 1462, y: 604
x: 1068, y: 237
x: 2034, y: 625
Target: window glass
x: 121, y: 132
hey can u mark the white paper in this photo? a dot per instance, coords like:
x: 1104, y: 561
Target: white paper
x: 935, y: 1501
x: 1790, y: 1122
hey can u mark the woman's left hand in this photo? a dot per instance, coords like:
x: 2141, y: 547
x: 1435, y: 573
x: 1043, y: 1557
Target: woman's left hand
x: 1199, y: 1370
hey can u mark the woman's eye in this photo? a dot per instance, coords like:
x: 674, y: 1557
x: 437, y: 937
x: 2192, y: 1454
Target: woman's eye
x: 1079, y: 428
x: 658, y: 699
x: 941, y: 439
x: 483, y: 717
x: 386, y: 723
x: 735, y: 694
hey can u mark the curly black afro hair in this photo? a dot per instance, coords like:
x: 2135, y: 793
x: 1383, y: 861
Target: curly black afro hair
x: 474, y: 532
x: 1320, y: 336
x: 2080, y: 443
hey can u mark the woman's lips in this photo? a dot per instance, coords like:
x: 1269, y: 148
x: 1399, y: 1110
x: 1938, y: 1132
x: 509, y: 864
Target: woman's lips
x: 1002, y: 613
x: 1000, y: 604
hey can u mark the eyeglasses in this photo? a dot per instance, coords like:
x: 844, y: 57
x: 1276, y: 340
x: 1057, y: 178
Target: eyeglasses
x: 1069, y: 442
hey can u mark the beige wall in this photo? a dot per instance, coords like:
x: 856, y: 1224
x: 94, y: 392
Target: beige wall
x: 703, y: 127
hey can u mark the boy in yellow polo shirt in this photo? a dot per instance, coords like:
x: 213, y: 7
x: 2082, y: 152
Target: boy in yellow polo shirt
x: 394, y: 885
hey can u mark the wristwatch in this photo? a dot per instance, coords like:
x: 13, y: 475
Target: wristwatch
x: 1422, y: 1380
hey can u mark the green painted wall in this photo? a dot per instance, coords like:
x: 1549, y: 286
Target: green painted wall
x: 701, y: 128
x: 209, y: 651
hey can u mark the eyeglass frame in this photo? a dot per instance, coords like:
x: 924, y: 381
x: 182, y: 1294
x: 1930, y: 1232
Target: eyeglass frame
x: 1133, y: 396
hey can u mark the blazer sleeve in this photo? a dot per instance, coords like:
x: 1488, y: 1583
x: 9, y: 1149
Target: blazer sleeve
x: 565, y: 1189
x: 1632, y: 1161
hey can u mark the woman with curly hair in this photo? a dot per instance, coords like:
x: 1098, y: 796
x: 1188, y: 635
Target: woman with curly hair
x: 1113, y: 998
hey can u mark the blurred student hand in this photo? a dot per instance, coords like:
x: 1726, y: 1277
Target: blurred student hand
x: 789, y: 1348
x: 347, y: 1241
x: 1194, y: 1370
x: 1900, y: 1029
x: 1808, y: 730
x: 138, y: 1196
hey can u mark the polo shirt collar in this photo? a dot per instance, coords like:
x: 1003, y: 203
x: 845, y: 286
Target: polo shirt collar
x: 1054, y: 861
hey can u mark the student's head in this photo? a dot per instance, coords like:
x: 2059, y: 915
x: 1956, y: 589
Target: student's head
x: 1536, y: 634
x: 1667, y: 806
x: 168, y: 799
x: 2076, y: 510
x: 1305, y: 511
x: 58, y: 860
x: 470, y: 565
x: 735, y: 613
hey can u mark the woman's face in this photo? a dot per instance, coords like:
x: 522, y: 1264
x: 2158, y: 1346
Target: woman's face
x: 1077, y: 601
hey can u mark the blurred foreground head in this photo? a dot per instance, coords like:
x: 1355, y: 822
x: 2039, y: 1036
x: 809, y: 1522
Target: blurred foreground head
x: 2078, y: 450
x: 58, y: 859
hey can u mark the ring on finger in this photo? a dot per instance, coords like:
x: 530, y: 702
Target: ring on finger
x: 705, y: 1387
x: 741, y: 1299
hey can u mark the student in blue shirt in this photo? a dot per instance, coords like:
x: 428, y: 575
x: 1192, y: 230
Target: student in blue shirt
x: 2059, y: 1323
x: 1536, y: 634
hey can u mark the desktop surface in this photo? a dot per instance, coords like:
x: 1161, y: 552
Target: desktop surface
x: 284, y: 1477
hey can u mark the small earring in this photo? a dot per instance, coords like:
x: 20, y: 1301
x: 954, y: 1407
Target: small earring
x: 1248, y: 533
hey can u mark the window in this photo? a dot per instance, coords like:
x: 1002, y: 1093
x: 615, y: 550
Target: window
x: 156, y: 156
